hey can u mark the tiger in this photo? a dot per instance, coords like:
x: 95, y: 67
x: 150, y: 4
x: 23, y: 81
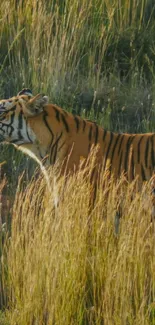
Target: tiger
x: 51, y: 134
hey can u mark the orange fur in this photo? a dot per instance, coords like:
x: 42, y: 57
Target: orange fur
x: 133, y: 154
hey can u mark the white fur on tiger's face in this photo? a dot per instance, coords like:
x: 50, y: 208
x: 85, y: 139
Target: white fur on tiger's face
x: 14, y: 113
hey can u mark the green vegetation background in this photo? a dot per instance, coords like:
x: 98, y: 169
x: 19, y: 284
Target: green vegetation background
x: 95, y: 58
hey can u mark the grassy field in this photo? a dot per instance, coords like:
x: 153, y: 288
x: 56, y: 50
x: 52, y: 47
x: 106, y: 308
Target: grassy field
x: 67, y: 266
x: 95, y: 58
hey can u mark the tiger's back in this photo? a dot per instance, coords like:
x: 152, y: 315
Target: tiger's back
x: 63, y: 134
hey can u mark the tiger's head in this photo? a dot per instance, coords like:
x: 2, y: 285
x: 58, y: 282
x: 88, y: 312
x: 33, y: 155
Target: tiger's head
x: 36, y: 127
x: 14, y: 114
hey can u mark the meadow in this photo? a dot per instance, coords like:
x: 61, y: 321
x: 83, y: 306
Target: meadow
x: 66, y: 266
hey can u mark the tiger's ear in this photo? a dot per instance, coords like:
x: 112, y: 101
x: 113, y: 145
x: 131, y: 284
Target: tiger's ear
x: 36, y: 105
x: 25, y: 91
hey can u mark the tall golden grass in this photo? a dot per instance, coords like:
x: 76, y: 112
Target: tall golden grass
x: 48, y: 44
x: 65, y: 265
